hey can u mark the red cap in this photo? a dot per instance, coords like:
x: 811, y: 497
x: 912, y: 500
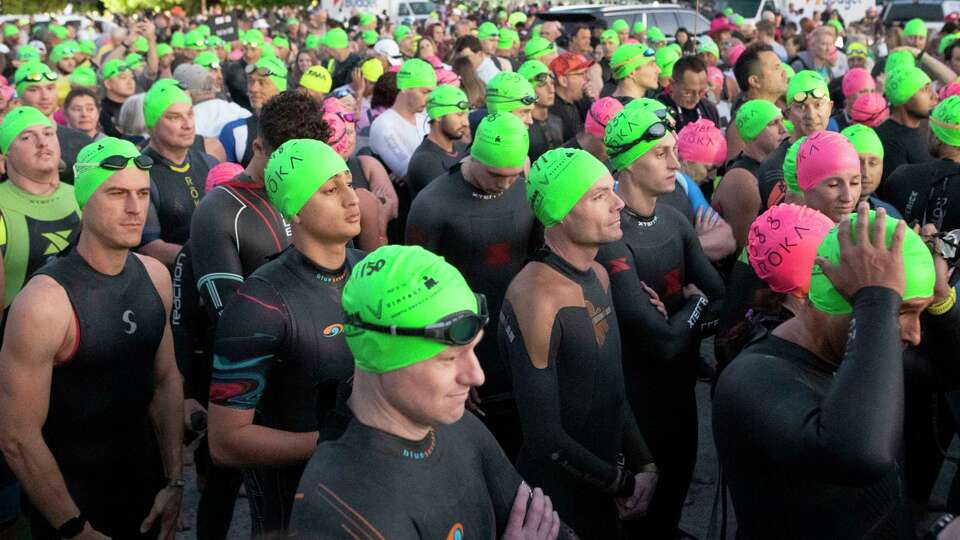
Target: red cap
x: 952, y: 17
x: 568, y: 61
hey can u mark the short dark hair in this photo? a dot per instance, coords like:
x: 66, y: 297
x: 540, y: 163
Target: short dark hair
x: 578, y: 28
x: 80, y: 92
x: 467, y: 42
x: 749, y: 64
x: 688, y: 63
x: 385, y: 90
x: 948, y: 52
x: 766, y: 28
x: 292, y: 114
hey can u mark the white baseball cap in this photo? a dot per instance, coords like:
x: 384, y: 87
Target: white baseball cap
x: 391, y: 50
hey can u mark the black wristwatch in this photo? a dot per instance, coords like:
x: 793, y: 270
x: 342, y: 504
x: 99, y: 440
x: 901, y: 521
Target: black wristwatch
x: 72, y: 527
x: 938, y: 527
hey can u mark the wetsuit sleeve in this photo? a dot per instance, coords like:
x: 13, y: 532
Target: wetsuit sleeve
x: 252, y: 328
x: 700, y: 272
x: 665, y: 338
x: 696, y: 198
x: 151, y: 229
x: 538, y: 401
x: 216, y: 259
x: 848, y: 435
x: 424, y: 225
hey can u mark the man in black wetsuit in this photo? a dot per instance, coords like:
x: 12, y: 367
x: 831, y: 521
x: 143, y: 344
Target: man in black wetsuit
x: 179, y: 173
x: 546, y: 131
x: 91, y: 329
x: 36, y: 86
x: 687, y: 100
x: 279, y: 352
x: 559, y: 331
x: 234, y: 231
x: 118, y: 85
x: 441, y: 149
x: 477, y: 217
x: 411, y: 464
x: 659, y: 252
x: 760, y: 75
x: 911, y: 97
x: 808, y: 422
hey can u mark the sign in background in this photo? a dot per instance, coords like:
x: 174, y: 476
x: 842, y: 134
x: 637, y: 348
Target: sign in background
x: 224, y: 26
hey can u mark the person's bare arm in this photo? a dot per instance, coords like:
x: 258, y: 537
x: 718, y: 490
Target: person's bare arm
x: 933, y: 66
x: 153, y: 61
x: 737, y: 199
x: 734, y: 141
x: 380, y: 185
x: 235, y: 440
x: 164, y: 252
x: 372, y: 226
x: 39, y: 333
x: 212, y: 146
x: 715, y: 235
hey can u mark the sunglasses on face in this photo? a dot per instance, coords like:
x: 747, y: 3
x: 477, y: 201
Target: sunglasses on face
x: 457, y: 329
x: 654, y: 132
x: 816, y: 93
x: 37, y: 77
x: 542, y: 78
x: 118, y: 163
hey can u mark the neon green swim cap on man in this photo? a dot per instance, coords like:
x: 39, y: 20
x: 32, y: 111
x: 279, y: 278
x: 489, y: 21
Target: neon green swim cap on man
x: 864, y: 139
x: 487, y: 30
x: 446, y: 99
x: 62, y: 51
x: 416, y: 73
x: 945, y: 121
x: 620, y: 25
x: 537, y: 47
x: 790, y: 166
x: 899, y: 59
x: 17, y: 120
x: 297, y: 170
x: 207, y: 59
x: 405, y: 287
x: 915, y: 27
x: 610, y: 36
x: 158, y: 99
x: 89, y: 175
x: 807, y: 82
x: 277, y: 71
x: 501, y: 141
x: 163, y: 49
x: 508, y: 38
x: 558, y: 180
x: 917, y: 266
x: 531, y: 69
x: 655, y: 35
x: 508, y: 91
x: 26, y: 53
x: 627, y: 58
x: 33, y: 73
x: 903, y: 83
x: 112, y: 68
x: 754, y: 116
x: 666, y: 58
x: 83, y: 76
x: 632, y: 133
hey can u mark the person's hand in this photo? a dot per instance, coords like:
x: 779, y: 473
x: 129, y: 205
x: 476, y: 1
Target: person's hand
x: 637, y: 504
x: 952, y: 532
x: 655, y: 300
x: 867, y: 262
x: 707, y: 220
x: 532, y: 516
x: 690, y: 290
x: 190, y: 406
x: 147, y: 29
x: 166, y: 507
x: 358, y: 82
x: 89, y: 533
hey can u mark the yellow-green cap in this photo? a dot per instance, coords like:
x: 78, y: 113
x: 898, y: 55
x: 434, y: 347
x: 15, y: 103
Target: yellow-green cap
x: 370, y: 37
x: 866, y: 141
x: 538, y: 46
x: 915, y: 27
x: 281, y: 42
x: 252, y: 37
x: 372, y: 69
x: 134, y: 60
x: 89, y: 175
x: 158, y: 99
x: 627, y: 58
x: 508, y: 38
x: 558, y: 180
x: 83, y: 76
x: 709, y: 46
x: 501, y: 141
x: 318, y: 79
x: 625, y: 134
x: 446, y: 99
x: 857, y: 50
x: 207, y: 59
x: 754, y: 116
x: 196, y: 41
x: 401, y: 32
x: 177, y: 40
x: 336, y: 39
x: 313, y: 41
x: 26, y: 53
x: 517, y: 17
x: 666, y: 57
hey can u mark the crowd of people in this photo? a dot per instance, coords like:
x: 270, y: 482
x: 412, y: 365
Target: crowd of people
x: 459, y: 277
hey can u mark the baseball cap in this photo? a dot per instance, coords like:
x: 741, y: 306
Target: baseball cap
x: 568, y: 62
x: 390, y: 49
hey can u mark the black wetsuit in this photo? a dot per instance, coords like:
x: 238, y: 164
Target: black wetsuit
x: 571, y: 115
x: 770, y: 177
x: 488, y: 238
x: 660, y: 355
x: 175, y: 192
x: 429, y: 161
x: 98, y: 426
x: 810, y: 450
x: 902, y: 146
x: 109, y: 113
x: 71, y: 142
x: 455, y: 483
x: 704, y: 109
x: 577, y: 422
x: 280, y: 349
x: 545, y: 134
x: 926, y: 193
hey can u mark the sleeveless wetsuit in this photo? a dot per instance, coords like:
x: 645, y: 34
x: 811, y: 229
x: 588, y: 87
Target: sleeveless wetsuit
x: 175, y: 192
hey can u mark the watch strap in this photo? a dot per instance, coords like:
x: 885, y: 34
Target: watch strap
x: 72, y: 527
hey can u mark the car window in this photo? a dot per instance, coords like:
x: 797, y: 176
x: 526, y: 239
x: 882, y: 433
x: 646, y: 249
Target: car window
x: 403, y: 10
x: 905, y: 12
x: 689, y: 20
x: 665, y: 20
x: 422, y: 8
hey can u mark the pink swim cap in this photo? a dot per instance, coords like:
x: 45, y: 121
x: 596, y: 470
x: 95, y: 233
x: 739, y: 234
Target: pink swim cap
x: 702, y: 142
x: 870, y: 110
x: 630, y: 41
x: 600, y: 113
x: 856, y: 80
x: 434, y: 61
x: 733, y: 54
x: 952, y: 89
x: 333, y: 105
x: 7, y: 92
x: 719, y: 24
x: 782, y: 245
x: 220, y: 173
x: 823, y: 155
x: 338, y: 134
x: 445, y: 76
x: 715, y: 77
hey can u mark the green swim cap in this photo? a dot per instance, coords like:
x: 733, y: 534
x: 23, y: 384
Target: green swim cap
x: 370, y: 37
x: 281, y: 42
x: 508, y: 91
x: 313, y: 41
x: 406, y: 287
x: 626, y: 136
x: 610, y: 36
x: 517, y: 17
x: 902, y: 84
x: 788, y: 125
x: 336, y: 39
x: 207, y: 59
x: 639, y: 27
x: 293, y: 21
x: 738, y: 20
x: 915, y: 27
x: 507, y: 38
x: 372, y: 69
x: 400, y: 32
x: 666, y: 58
x: 709, y: 46
x: 140, y: 45
x: 728, y: 11
x: 163, y: 49
x: 195, y: 41
x: 620, y: 25
x: 62, y: 51
x: 89, y: 175
x: 531, y: 68
x: 788, y: 69
x: 178, y: 40
x: 535, y: 31
x: 537, y: 47
x: 158, y: 99
x: 899, y: 59
x: 754, y: 116
x: 297, y: 170
x: 806, y: 81
x: 26, y: 53
x: 655, y: 35
x: 204, y: 30
x: 917, y: 265
x: 112, y: 68
x: 83, y: 76
x: 947, y: 41
x: 364, y: 19
x: 215, y: 42
x: 501, y: 141
x: 790, y: 166
x: 416, y: 73
x: 17, y: 120
x: 837, y: 25
x: 318, y: 79
x: 865, y: 140
x: 945, y: 121
x: 134, y: 60
x: 252, y: 37
x: 627, y: 58
x: 10, y: 30
x: 446, y: 99
x: 277, y: 69
x: 58, y: 30
x: 487, y: 30
x: 40, y: 72
x: 558, y: 180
